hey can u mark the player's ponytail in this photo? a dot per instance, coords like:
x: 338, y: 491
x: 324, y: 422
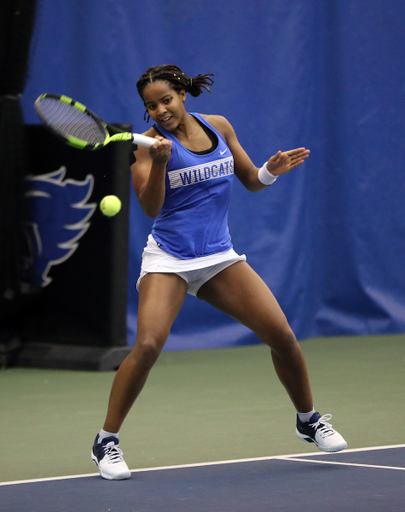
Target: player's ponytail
x: 198, y: 83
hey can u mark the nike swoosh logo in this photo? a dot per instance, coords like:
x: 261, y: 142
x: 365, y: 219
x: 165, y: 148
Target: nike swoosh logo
x: 224, y: 151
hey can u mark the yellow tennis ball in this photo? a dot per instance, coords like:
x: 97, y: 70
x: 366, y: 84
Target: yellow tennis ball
x: 110, y: 205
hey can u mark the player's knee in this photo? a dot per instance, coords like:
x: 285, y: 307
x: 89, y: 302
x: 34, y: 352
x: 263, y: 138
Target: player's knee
x: 147, y: 351
x: 282, y: 340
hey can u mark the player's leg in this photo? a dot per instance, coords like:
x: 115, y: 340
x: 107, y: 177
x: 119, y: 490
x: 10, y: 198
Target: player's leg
x: 161, y: 297
x: 242, y: 294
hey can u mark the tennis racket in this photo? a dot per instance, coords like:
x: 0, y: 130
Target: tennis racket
x: 78, y: 126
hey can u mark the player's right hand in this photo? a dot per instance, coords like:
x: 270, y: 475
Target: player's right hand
x: 161, y: 150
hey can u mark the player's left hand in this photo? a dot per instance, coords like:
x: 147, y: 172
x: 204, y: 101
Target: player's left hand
x: 283, y: 162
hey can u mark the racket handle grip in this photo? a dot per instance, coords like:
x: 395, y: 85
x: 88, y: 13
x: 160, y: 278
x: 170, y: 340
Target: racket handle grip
x: 142, y: 140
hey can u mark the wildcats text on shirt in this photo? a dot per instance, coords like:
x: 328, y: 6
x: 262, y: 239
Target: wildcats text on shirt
x: 198, y: 173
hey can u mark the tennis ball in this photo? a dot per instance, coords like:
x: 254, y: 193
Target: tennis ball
x: 110, y: 205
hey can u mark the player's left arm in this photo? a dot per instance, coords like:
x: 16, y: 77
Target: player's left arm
x: 245, y: 170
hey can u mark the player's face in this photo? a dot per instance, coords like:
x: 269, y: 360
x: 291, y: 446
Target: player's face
x: 164, y: 105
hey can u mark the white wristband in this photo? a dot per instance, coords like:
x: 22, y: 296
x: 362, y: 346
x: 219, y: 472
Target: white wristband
x: 265, y: 176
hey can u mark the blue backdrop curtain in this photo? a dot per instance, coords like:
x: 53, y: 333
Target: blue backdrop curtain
x: 328, y: 238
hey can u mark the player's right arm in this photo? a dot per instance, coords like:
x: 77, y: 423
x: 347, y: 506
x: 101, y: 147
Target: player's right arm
x: 149, y: 175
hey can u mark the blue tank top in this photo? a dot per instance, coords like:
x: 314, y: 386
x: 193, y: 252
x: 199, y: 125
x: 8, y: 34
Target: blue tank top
x: 194, y: 219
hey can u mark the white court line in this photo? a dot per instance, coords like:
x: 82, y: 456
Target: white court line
x: 341, y: 463
x: 293, y: 457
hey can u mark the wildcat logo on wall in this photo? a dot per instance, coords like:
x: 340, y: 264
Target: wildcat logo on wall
x: 59, y: 217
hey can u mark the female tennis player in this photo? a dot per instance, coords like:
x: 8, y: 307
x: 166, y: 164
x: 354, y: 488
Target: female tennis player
x: 183, y: 181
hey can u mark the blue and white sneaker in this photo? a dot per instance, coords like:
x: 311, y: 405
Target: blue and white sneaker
x: 320, y: 432
x: 107, y: 456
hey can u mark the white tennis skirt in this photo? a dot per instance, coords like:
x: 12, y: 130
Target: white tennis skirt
x: 195, y: 271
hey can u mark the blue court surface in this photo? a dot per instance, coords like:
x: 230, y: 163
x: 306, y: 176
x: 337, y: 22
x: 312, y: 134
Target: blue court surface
x: 354, y: 480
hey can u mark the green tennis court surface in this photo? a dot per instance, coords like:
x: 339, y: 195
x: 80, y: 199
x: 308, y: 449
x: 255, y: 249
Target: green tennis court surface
x: 202, y: 406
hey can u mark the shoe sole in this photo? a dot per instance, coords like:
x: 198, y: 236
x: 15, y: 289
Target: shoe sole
x: 332, y: 449
x: 104, y: 475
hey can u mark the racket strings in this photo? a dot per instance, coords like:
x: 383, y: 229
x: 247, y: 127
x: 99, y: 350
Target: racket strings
x: 68, y: 121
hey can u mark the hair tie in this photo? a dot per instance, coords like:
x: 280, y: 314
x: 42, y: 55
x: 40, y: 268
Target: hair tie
x: 191, y: 83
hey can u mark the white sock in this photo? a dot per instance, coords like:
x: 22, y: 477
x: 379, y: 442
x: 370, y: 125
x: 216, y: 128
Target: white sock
x: 103, y: 434
x: 305, y: 416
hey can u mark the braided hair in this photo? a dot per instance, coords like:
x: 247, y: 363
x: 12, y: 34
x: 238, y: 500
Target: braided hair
x: 178, y: 80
